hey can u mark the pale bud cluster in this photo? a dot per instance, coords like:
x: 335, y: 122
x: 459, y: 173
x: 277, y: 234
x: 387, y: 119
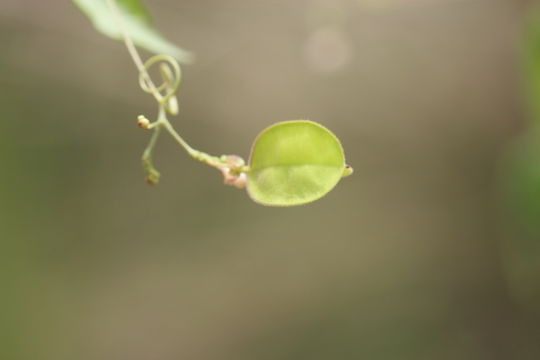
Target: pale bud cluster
x: 239, y: 181
x: 143, y: 122
x: 232, y: 170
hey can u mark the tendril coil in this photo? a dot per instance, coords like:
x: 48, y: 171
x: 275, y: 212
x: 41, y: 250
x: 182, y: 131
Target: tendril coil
x: 171, y: 75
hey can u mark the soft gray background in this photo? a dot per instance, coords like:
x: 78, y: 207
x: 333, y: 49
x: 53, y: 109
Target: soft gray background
x: 410, y: 258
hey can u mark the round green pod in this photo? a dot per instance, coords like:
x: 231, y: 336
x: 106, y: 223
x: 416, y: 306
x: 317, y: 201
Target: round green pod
x: 293, y: 163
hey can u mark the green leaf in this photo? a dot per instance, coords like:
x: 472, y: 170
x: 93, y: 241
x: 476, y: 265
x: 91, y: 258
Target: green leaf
x: 293, y: 163
x: 137, y: 23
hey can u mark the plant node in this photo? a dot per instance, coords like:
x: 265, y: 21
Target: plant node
x: 234, y: 169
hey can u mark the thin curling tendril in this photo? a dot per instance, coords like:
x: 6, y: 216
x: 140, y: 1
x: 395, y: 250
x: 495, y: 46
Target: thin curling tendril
x: 170, y: 73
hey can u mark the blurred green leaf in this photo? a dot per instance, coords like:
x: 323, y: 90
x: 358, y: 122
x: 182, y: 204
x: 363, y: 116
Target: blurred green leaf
x: 521, y: 166
x: 137, y: 23
x: 531, y: 61
x: 522, y: 161
x: 293, y: 163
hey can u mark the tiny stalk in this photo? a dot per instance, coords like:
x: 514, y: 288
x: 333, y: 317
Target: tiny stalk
x: 232, y: 167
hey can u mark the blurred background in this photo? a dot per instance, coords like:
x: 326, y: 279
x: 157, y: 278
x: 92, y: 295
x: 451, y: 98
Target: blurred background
x: 430, y: 251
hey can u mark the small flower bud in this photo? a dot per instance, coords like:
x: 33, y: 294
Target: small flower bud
x: 347, y: 170
x: 241, y: 181
x: 237, y: 180
x: 143, y: 122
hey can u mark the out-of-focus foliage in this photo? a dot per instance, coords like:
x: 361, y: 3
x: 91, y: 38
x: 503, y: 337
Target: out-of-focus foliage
x: 531, y: 62
x: 523, y: 180
x: 137, y: 22
x: 520, y: 251
x: 523, y: 158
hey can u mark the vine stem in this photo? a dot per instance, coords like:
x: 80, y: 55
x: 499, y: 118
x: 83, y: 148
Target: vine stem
x: 231, y: 166
x: 132, y: 50
x: 162, y: 117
